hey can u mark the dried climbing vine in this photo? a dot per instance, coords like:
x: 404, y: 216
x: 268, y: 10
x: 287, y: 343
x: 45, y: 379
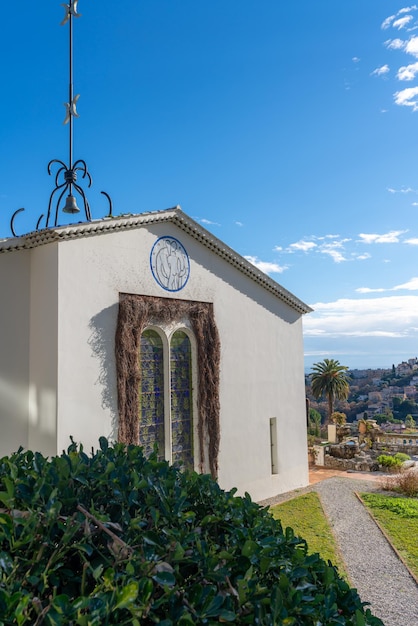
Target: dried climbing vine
x: 135, y: 313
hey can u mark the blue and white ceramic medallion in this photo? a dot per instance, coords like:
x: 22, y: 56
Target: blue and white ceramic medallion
x: 170, y: 263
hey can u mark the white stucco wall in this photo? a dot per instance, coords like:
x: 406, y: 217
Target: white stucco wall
x: 14, y: 353
x: 261, y: 378
x: 43, y: 349
x: 261, y: 363
x: 79, y: 280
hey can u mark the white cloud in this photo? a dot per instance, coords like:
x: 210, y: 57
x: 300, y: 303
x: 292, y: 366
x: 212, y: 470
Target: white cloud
x: 304, y: 246
x: 387, y: 22
x: 332, y: 245
x: 411, y: 46
x: 407, y: 72
x: 385, y: 316
x: 333, y: 249
x: 380, y: 71
x: 239, y: 224
x: 208, y: 222
x: 407, y: 97
x: 395, y: 44
x: 402, y: 22
x: 370, y: 290
x: 355, y: 60
x: 413, y: 241
x: 402, y: 190
x: 335, y: 255
x: 266, y: 266
x: 391, y: 237
x: 411, y: 285
x: 338, y: 243
x: 407, y: 9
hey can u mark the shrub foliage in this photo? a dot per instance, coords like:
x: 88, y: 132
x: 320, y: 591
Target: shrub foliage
x: 405, y: 482
x: 389, y: 462
x: 114, y: 538
x: 401, y: 456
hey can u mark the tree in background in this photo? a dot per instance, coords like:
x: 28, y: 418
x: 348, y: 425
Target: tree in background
x: 330, y: 379
x: 409, y: 421
x: 387, y: 416
x: 338, y: 418
x: 315, y: 422
x: 402, y: 408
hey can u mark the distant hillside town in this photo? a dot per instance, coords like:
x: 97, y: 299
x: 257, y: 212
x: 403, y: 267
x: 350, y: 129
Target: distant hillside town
x: 388, y: 396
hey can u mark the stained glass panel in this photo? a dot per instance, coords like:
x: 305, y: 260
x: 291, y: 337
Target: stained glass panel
x: 151, y: 413
x: 181, y: 400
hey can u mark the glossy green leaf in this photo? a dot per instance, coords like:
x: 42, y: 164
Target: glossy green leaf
x: 164, y: 578
x: 126, y: 596
x: 249, y: 548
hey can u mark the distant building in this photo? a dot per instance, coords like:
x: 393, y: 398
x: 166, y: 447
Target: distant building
x: 374, y: 396
x: 403, y: 369
x: 358, y: 374
x: 410, y: 391
x: 401, y: 396
x: 389, y: 392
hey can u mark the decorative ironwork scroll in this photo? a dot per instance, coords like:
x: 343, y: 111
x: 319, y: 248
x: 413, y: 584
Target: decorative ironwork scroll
x: 66, y: 175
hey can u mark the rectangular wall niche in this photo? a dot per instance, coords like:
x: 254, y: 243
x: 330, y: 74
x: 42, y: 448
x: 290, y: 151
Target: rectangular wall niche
x: 273, y: 446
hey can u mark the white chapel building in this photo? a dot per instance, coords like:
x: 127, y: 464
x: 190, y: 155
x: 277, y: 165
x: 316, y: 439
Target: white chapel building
x: 148, y: 329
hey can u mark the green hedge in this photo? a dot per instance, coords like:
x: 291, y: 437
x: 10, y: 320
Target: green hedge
x: 114, y: 538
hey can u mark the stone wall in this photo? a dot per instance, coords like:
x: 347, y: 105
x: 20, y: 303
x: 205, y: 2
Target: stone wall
x: 362, y: 462
x: 393, y: 448
x: 350, y: 456
x: 343, y: 450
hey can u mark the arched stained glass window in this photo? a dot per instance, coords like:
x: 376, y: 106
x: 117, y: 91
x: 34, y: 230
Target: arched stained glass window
x: 151, y: 412
x: 181, y: 399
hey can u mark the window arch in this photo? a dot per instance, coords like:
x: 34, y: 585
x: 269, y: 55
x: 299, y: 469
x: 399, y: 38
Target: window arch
x: 151, y: 396
x: 166, y: 395
x: 181, y: 399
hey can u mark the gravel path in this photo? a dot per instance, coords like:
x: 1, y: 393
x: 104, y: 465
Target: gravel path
x: 374, y: 569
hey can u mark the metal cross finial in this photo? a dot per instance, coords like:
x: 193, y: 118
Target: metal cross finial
x: 70, y: 10
x: 71, y: 109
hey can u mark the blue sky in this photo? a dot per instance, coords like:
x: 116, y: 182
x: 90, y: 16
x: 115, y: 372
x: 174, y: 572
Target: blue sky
x: 288, y: 129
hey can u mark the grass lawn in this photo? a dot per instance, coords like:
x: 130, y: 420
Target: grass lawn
x: 398, y: 516
x: 306, y: 516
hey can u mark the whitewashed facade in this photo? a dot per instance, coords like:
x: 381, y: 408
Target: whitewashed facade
x: 61, y: 289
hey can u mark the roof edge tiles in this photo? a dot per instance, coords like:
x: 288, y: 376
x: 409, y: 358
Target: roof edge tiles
x: 176, y: 216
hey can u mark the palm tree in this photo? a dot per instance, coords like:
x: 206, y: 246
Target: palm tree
x: 330, y: 379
